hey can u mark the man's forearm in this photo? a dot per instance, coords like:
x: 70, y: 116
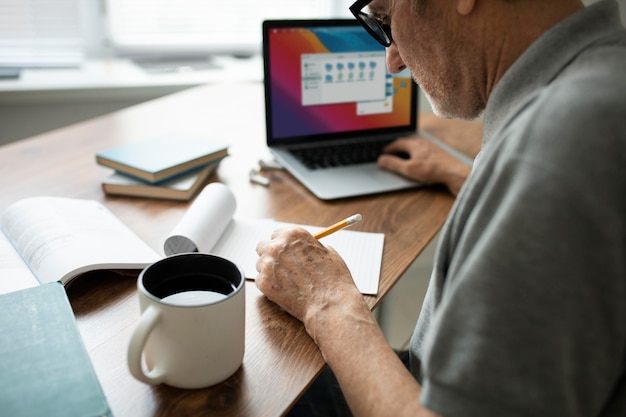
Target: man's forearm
x: 372, y: 377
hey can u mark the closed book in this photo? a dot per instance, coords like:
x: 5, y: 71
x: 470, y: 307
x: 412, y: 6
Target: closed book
x: 163, y: 157
x: 182, y: 187
x: 44, y: 367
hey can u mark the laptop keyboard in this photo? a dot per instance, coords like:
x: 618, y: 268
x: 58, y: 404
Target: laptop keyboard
x: 337, y: 155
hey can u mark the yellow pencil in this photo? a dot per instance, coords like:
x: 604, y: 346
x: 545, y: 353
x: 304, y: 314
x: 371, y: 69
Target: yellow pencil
x: 338, y: 226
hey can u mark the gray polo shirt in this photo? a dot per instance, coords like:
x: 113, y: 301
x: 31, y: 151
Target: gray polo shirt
x: 525, y: 314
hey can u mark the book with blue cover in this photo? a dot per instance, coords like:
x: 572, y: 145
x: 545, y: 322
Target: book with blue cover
x: 44, y: 366
x: 182, y: 187
x: 163, y: 157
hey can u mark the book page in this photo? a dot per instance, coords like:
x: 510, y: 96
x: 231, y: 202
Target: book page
x: 361, y: 251
x: 59, y: 238
x: 14, y: 273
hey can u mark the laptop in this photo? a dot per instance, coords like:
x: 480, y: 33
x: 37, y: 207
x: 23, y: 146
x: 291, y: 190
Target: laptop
x: 331, y: 106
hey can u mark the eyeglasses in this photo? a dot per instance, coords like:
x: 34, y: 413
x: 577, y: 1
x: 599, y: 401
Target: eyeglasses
x: 374, y: 26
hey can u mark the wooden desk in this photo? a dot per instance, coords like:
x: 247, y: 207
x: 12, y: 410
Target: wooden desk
x: 280, y: 360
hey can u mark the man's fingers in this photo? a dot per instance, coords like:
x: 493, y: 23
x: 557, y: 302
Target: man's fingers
x: 393, y: 163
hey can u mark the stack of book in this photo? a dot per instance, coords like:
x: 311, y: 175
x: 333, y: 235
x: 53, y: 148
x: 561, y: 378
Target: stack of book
x: 172, y: 166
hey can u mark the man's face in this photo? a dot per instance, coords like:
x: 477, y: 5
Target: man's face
x: 427, y: 40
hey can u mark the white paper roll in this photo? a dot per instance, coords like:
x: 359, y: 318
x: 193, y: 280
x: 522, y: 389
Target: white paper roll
x: 204, y: 222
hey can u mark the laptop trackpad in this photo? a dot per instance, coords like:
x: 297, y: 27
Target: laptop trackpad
x: 354, y: 180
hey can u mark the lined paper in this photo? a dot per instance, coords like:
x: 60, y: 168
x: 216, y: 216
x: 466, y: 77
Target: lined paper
x: 362, y: 251
x: 209, y: 225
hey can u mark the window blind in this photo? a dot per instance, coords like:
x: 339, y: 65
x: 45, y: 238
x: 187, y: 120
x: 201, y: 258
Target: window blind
x: 204, y: 25
x: 35, y: 33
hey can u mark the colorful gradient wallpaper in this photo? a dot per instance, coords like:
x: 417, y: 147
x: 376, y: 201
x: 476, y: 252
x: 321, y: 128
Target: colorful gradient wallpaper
x: 290, y: 118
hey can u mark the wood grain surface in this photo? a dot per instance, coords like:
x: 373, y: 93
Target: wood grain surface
x: 280, y: 359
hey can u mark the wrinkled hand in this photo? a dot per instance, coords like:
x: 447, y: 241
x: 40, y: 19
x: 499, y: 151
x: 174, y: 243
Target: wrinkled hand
x: 426, y: 163
x: 301, y: 275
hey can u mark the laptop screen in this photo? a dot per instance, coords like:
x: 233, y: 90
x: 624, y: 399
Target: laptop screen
x: 326, y: 79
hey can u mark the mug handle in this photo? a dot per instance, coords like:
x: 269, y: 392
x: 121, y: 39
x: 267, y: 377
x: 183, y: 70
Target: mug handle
x: 147, y: 322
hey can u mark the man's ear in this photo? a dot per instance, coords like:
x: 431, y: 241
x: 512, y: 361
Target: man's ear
x: 465, y: 7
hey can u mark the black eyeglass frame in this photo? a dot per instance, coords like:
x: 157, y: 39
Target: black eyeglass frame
x: 377, y: 29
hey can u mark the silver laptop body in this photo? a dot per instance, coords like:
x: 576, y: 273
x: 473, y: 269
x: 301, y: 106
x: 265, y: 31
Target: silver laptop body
x: 326, y: 83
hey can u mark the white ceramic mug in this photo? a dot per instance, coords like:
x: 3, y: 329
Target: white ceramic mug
x: 192, y: 327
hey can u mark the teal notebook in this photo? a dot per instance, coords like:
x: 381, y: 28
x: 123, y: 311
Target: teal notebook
x: 163, y: 157
x: 44, y: 366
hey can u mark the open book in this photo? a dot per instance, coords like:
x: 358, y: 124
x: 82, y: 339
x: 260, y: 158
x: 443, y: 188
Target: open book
x: 209, y: 226
x: 48, y: 239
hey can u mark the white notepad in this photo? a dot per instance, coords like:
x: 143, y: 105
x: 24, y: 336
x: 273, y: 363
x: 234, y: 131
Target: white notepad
x: 209, y: 226
x: 361, y: 251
